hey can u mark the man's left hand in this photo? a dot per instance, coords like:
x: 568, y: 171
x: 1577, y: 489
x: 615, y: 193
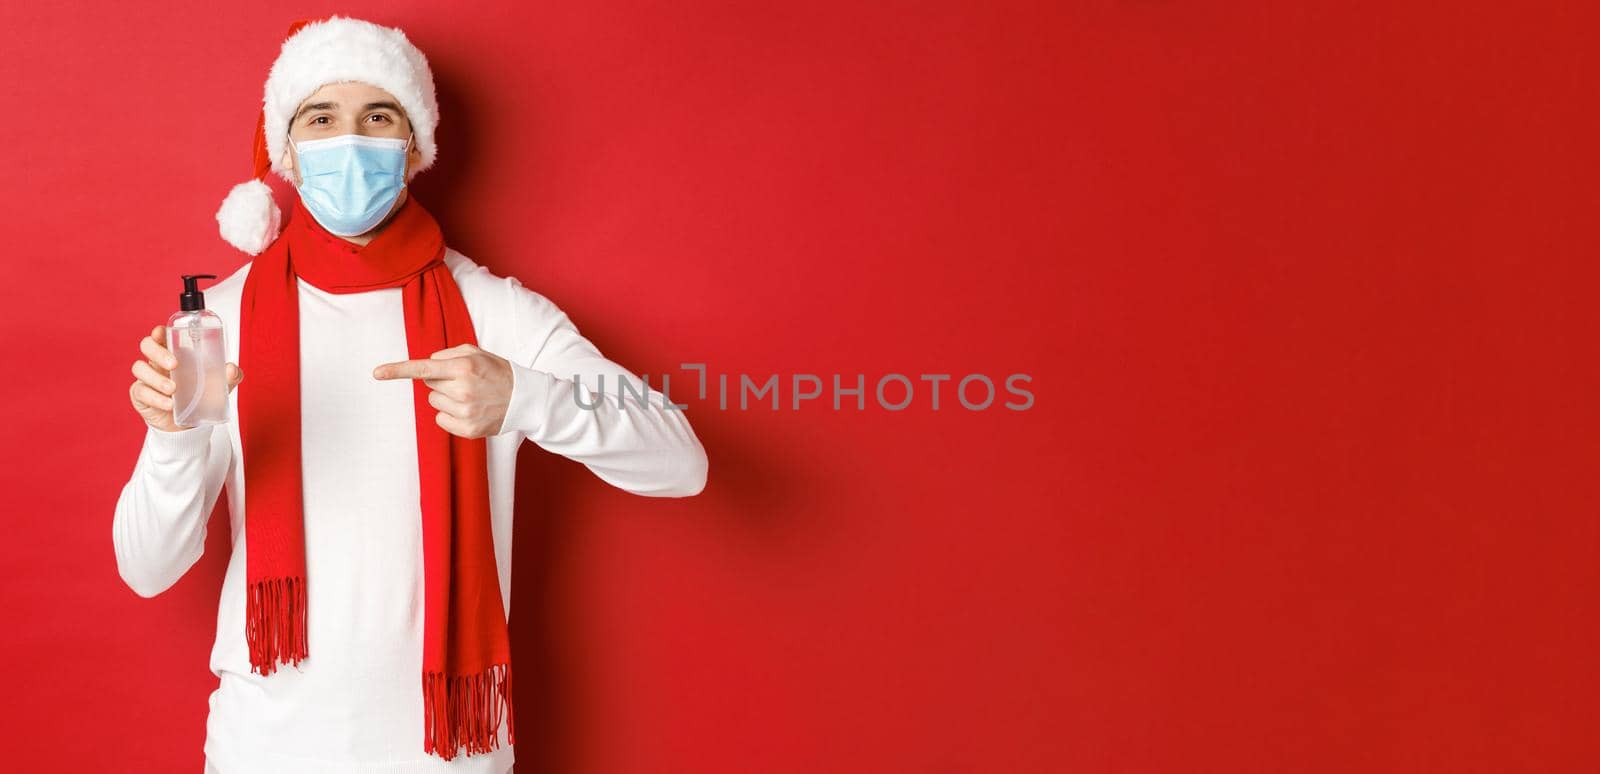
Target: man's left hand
x: 471, y: 387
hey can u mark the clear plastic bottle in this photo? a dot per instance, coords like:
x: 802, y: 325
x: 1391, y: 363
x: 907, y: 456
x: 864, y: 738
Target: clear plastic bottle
x: 195, y: 338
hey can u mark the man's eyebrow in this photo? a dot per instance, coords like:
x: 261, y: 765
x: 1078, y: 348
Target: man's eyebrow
x: 335, y: 106
x: 316, y: 106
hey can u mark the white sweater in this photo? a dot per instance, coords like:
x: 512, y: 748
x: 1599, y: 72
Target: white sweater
x: 355, y: 705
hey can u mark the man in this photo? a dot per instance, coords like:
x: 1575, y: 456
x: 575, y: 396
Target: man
x: 370, y: 469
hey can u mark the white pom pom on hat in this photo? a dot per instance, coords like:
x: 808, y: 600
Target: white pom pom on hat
x: 316, y: 53
x: 249, y: 219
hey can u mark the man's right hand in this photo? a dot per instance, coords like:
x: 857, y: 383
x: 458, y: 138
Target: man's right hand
x: 152, y: 391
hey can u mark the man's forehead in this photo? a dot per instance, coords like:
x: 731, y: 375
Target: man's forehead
x: 349, y: 94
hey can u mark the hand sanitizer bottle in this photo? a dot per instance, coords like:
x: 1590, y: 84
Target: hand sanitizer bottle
x: 195, y: 338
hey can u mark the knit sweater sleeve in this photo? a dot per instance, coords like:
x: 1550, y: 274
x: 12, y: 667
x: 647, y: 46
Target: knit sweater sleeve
x: 640, y: 445
x: 159, y: 529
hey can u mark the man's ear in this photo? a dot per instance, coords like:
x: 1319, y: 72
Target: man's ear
x: 413, y: 160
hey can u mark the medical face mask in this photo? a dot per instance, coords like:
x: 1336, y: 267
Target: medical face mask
x: 350, y: 182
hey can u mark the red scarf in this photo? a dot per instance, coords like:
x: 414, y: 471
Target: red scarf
x: 466, y: 651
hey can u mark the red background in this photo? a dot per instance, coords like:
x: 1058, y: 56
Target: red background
x: 1305, y: 290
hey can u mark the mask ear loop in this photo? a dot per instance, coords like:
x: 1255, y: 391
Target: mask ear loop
x: 405, y: 179
x: 296, y: 148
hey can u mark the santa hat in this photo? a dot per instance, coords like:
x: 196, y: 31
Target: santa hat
x: 316, y: 53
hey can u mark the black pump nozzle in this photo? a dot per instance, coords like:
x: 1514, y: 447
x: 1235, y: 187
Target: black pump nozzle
x: 192, y: 299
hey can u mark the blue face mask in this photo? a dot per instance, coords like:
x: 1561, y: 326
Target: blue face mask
x: 350, y: 182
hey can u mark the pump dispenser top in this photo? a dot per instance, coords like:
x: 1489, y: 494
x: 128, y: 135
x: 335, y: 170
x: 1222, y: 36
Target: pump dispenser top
x: 191, y: 299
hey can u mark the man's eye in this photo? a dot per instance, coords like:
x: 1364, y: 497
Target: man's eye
x: 318, y: 118
x: 380, y: 115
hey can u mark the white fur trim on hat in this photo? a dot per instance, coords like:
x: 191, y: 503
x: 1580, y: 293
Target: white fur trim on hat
x: 340, y: 48
x: 249, y: 219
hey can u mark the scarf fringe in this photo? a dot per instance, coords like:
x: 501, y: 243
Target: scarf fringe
x: 275, y: 623
x: 466, y: 710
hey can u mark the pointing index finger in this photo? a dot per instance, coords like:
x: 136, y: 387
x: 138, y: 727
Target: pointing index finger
x: 412, y: 369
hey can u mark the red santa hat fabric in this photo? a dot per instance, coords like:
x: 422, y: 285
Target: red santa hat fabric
x: 316, y: 53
